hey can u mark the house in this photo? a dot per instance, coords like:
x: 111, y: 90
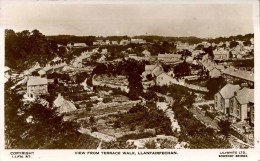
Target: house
x: 241, y: 104
x: 149, y: 68
x: 56, y: 60
x: 171, y: 73
x: 36, y: 67
x: 157, y: 70
x: 102, y: 59
x: 146, y: 53
x: 138, y: 41
x: 189, y: 59
x: 169, y: 57
x: 114, y: 42
x: 78, y: 61
x: 7, y: 73
x: 29, y: 72
x: 107, y: 42
x: 77, y: 45
x: 47, y: 69
x: 63, y: 105
x: 232, y: 75
x: 215, y: 71
x: 222, y: 97
x: 133, y: 56
x: 104, y: 52
x: 37, y: 86
x: 165, y: 79
x: 124, y: 42
x: 221, y: 54
x: 42, y: 72
x: 252, y: 111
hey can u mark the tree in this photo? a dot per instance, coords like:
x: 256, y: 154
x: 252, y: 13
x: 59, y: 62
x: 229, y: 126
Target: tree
x: 230, y: 55
x: 166, y: 67
x: 35, y: 73
x: 182, y: 69
x: 199, y: 47
x: 25, y: 48
x: 150, y: 95
x: 184, y: 54
x: 117, y: 124
x: 209, y: 51
x: 247, y: 43
x: 100, y: 69
x: 92, y: 120
x: 61, y: 51
x: 224, y: 127
x: 81, y: 77
x: 233, y: 44
x: 149, y: 77
x: 135, y: 85
x: 46, y: 129
x: 89, y: 81
x: 214, y: 85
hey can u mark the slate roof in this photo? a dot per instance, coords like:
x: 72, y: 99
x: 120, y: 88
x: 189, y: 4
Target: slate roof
x: 245, y: 96
x: 239, y: 74
x: 37, y: 81
x: 228, y: 90
x: 63, y: 105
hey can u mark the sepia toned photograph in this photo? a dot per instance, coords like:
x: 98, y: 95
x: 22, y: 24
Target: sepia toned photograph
x: 129, y: 76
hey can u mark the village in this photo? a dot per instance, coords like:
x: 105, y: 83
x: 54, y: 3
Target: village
x: 126, y: 95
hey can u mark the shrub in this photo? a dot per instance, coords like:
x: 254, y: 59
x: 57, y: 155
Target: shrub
x: 94, y: 129
x: 211, y: 115
x: 117, y: 124
x: 92, y: 120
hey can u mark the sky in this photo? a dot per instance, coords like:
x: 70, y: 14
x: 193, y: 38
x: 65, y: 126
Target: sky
x: 201, y: 20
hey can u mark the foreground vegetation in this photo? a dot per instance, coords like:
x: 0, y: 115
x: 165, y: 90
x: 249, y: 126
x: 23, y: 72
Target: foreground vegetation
x: 45, y: 130
x: 192, y: 130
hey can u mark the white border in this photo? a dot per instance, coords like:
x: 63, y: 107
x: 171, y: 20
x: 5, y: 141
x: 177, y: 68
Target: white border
x: 187, y: 154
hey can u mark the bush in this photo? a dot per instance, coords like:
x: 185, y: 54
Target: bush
x: 132, y: 128
x: 92, y: 120
x: 211, y: 115
x: 205, y: 107
x: 117, y: 124
x: 94, y: 129
x: 224, y: 127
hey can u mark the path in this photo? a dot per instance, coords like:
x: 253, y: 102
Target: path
x: 168, y: 111
x: 98, y: 135
x: 203, y: 103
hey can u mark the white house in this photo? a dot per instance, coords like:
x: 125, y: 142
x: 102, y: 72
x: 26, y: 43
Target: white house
x: 221, y: 54
x: 240, y: 103
x: 222, y: 98
x: 146, y: 53
x: 37, y: 86
x: 63, y: 105
x: 124, y: 42
x: 165, y: 79
x: 169, y: 57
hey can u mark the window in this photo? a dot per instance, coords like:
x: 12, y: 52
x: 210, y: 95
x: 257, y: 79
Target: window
x: 216, y: 100
x: 238, y: 113
x: 231, y: 105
